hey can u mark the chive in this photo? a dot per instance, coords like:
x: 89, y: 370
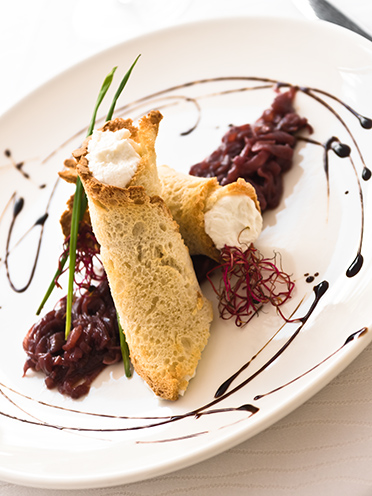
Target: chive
x: 79, y: 207
x: 52, y: 285
x: 83, y: 201
x: 78, y: 210
x: 120, y: 89
x: 75, y: 220
x: 124, y: 349
x: 105, y: 86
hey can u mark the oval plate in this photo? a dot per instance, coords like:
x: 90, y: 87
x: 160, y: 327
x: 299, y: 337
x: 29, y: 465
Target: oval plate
x: 200, y: 77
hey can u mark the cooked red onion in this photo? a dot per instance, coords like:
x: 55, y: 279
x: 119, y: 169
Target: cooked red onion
x: 93, y: 342
x: 258, y: 153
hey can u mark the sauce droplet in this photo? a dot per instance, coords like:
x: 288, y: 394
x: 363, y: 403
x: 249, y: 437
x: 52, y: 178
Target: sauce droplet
x: 357, y: 334
x: 365, y: 122
x: 355, y: 266
x: 249, y: 408
x: 41, y: 220
x: 18, y: 206
x: 341, y: 149
x: 366, y: 174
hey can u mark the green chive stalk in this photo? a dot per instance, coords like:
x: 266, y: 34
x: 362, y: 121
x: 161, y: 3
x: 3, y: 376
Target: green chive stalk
x: 52, y: 284
x: 81, y: 203
x: 78, y: 209
x: 124, y: 349
x: 120, y: 89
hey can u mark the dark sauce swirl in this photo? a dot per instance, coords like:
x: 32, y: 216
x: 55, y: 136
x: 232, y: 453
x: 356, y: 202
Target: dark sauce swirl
x: 17, y: 209
x: 319, y: 291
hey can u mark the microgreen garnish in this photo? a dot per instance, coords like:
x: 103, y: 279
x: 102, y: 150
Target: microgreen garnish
x: 248, y: 282
x: 87, y: 258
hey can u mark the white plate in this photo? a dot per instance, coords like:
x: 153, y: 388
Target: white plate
x: 315, y: 233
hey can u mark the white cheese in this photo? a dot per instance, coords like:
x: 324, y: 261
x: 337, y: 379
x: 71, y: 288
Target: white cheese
x: 233, y: 221
x: 113, y: 157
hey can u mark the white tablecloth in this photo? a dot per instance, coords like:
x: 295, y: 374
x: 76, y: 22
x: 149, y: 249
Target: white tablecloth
x: 325, y: 446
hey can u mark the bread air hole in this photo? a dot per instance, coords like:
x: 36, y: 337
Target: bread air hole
x: 109, y: 264
x: 139, y: 253
x: 186, y: 343
x: 159, y: 251
x: 119, y: 227
x: 173, y: 263
x: 173, y: 366
x: 153, y: 305
x: 138, y: 229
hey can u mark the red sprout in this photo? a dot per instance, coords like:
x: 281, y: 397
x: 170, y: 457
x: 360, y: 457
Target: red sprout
x: 87, y: 258
x: 248, y: 282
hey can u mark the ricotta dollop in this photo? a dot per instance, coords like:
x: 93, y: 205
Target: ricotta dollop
x: 113, y: 157
x: 233, y: 221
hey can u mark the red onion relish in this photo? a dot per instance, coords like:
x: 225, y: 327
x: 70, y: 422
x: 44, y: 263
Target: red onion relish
x: 258, y: 153
x: 92, y: 343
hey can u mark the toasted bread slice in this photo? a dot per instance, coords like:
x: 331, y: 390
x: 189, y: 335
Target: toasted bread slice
x: 162, y: 310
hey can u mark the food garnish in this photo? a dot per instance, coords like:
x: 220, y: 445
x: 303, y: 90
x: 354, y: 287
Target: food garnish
x: 87, y: 258
x: 249, y: 281
x: 80, y: 200
x: 79, y: 207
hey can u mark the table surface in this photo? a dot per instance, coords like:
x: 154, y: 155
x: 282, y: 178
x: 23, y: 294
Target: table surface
x: 325, y: 446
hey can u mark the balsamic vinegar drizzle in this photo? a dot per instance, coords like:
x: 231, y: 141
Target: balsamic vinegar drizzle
x: 319, y: 291
x: 245, y: 408
x: 343, y: 150
x: 17, y: 209
x: 363, y: 121
x: 157, y: 420
x: 19, y: 167
x: 354, y: 335
x: 163, y: 99
x: 265, y: 83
